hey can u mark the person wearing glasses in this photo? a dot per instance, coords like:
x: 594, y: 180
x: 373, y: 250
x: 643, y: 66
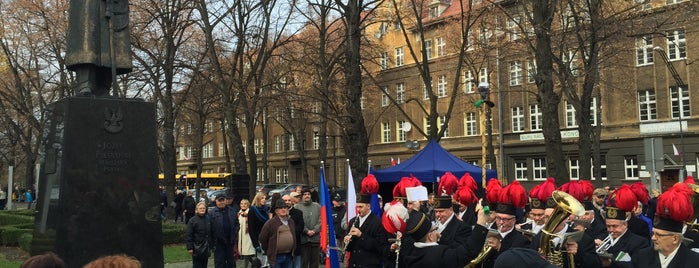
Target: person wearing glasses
x: 673, y: 209
x: 511, y: 198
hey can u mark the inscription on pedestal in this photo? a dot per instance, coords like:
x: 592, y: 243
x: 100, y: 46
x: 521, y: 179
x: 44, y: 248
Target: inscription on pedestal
x: 112, y: 156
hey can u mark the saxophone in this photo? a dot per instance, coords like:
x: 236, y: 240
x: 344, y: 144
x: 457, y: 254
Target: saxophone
x: 565, y: 206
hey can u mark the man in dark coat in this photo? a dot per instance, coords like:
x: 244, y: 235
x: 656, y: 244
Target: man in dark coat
x: 452, y: 230
x: 224, y: 231
x: 624, y: 243
x: 338, y: 212
x: 367, y: 240
x: 189, y: 206
x: 505, y: 220
x: 583, y: 251
x: 673, y: 209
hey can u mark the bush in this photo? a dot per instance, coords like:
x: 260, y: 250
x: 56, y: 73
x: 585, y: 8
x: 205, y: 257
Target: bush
x: 25, y: 241
x: 10, y: 235
x: 173, y: 233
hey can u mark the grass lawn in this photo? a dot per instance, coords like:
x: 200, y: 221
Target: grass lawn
x: 4, y: 263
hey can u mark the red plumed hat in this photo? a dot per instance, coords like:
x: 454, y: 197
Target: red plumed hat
x: 689, y: 180
x: 468, y: 181
x: 541, y: 195
x: 512, y: 197
x: 399, y: 189
x: 492, y: 191
x: 620, y: 201
x: 674, y: 208
x: 588, y: 189
x: 447, y: 185
x: 415, y: 181
x: 574, y: 189
x: 641, y: 192
x: 369, y: 185
x: 395, y: 217
x: 465, y: 196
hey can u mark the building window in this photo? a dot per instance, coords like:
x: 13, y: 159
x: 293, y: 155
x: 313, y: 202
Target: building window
x: 441, y: 47
x: 277, y: 144
x: 574, y: 169
x: 442, y: 86
x: 539, y: 168
x: 631, y: 168
x: 469, y: 82
x: 513, y: 28
x: 572, y: 62
x: 515, y: 73
x: 646, y: 105
x: 520, y: 170
x: 483, y: 75
x: 386, y: 133
x: 400, y: 126
x: 384, y: 61
x: 679, y: 100
x: 535, y: 117
x: 384, y: 96
x: 676, y: 45
x: 424, y: 89
x: 181, y: 153
x: 428, y: 49
x: 434, y: 11
x: 571, y: 121
x: 644, y: 50
x: 260, y: 174
x: 517, y: 119
x: 470, y: 123
x: 443, y: 124
x: 221, y: 150
x: 400, y: 92
x: 484, y: 35
x: 316, y: 142
x: 292, y: 143
x: 427, y: 125
x: 399, y: 56
x: 257, y: 146
x: 278, y: 175
x: 593, y: 112
x: 603, y: 168
x: 531, y: 71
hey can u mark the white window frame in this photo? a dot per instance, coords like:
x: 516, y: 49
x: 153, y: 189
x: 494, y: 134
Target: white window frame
x: 517, y: 119
x: 400, y: 133
x: 400, y: 93
x: 574, y: 169
x: 277, y: 144
x: 515, y: 73
x: 399, y: 57
x: 513, y: 28
x: 539, y: 168
x: 521, y: 170
x: 630, y: 168
x: 426, y: 124
x: 316, y: 142
x: 571, y: 120
x: 220, y: 149
x: 383, y: 65
x: 386, y: 132
x: 679, y: 102
x: 483, y: 75
x: 428, y: 48
x: 531, y: 71
x: 469, y: 82
x: 441, y: 47
x: 292, y: 143
x: 676, y: 45
x: 442, y: 120
x: 535, y: 122
x: 470, y: 124
x: 385, y: 101
x: 647, y: 106
x: 442, y: 86
x: 644, y: 50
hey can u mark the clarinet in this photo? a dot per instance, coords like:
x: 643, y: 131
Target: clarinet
x: 354, y: 224
x: 398, y: 242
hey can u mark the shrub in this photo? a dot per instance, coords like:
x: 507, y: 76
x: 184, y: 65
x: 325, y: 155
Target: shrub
x: 25, y: 241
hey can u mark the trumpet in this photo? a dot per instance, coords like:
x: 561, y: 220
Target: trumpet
x: 355, y: 224
x: 604, y: 246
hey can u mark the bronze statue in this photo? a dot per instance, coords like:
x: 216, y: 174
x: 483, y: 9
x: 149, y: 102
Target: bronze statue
x: 98, y: 41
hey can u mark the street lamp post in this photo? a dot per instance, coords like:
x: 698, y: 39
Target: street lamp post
x: 484, y: 91
x: 680, y: 84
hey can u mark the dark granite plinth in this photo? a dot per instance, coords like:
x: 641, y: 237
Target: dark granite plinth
x: 98, y: 192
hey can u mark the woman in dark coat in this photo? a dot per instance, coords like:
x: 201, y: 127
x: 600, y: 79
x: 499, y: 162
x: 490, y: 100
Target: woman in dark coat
x: 258, y: 215
x: 198, y: 237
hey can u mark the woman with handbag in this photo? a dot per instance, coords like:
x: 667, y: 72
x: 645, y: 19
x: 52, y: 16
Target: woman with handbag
x: 198, y: 236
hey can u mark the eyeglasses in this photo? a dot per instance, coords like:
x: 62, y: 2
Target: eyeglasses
x: 504, y: 219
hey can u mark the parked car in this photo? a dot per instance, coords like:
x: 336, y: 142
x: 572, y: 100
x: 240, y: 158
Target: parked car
x: 286, y: 189
x: 266, y: 188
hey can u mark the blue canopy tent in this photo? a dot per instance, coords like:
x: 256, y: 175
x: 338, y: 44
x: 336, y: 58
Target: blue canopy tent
x: 428, y: 164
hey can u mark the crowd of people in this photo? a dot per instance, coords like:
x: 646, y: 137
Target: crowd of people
x: 20, y: 194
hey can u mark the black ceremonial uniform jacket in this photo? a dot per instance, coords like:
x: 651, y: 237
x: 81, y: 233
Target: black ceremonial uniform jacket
x: 597, y: 229
x: 630, y: 243
x: 648, y: 258
x: 514, y: 239
x: 455, y: 233
x: 586, y: 257
x: 369, y: 249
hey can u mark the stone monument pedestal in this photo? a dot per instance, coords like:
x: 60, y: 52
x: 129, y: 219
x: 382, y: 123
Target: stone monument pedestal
x: 98, y: 187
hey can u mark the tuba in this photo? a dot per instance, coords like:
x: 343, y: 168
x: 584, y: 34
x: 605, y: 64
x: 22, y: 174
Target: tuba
x: 694, y: 199
x: 565, y: 206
